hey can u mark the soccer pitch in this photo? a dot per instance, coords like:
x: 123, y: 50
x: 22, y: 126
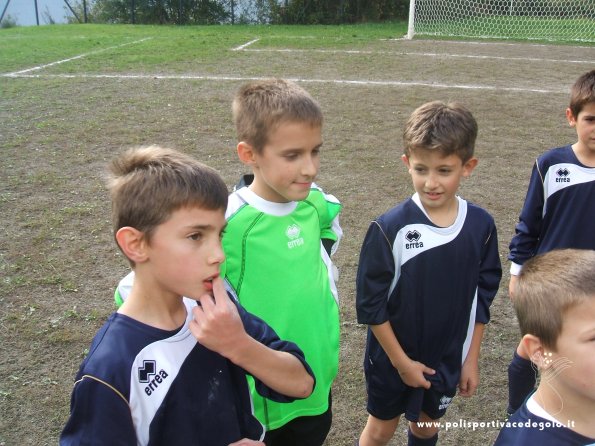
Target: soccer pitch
x: 73, y: 96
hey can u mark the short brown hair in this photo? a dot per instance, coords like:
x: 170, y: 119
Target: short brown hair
x: 447, y: 128
x: 549, y: 284
x: 147, y: 184
x: 582, y: 93
x: 260, y: 106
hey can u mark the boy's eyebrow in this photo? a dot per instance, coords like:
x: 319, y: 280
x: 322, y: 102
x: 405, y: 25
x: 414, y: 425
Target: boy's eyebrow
x: 205, y: 227
x: 290, y: 149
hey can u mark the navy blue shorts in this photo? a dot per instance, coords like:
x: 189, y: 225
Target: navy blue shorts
x: 389, y: 397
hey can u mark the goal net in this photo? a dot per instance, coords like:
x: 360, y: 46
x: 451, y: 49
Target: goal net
x: 554, y: 20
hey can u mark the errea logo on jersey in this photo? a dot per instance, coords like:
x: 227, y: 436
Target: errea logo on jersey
x: 148, y: 374
x: 563, y: 175
x: 293, y: 234
x: 413, y: 238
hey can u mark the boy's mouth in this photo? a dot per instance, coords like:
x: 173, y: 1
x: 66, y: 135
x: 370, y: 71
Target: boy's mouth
x: 208, y: 283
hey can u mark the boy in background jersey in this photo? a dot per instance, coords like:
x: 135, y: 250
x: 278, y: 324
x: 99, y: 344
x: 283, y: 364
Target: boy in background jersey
x: 558, y: 212
x: 281, y: 230
x: 554, y: 299
x: 147, y: 380
x: 429, y: 270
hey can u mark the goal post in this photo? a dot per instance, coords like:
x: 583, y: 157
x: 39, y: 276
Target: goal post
x: 552, y: 20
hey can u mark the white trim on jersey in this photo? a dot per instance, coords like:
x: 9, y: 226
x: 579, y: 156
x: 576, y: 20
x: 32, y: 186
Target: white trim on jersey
x: 437, y: 236
x: 168, y: 361
x: 579, y: 175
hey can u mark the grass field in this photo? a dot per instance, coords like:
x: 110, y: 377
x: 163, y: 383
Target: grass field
x: 73, y: 96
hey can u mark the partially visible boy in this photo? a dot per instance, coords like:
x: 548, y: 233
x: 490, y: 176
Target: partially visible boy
x: 429, y: 270
x: 558, y: 212
x: 281, y: 231
x: 146, y: 379
x: 554, y: 299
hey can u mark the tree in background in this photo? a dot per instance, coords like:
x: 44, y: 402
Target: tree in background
x: 194, y: 12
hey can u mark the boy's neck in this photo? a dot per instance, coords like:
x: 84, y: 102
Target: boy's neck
x: 571, y: 410
x: 144, y: 304
x: 444, y: 216
x: 584, y: 155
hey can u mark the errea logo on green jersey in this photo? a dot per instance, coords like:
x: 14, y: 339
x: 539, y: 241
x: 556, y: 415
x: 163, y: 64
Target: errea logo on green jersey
x: 293, y: 234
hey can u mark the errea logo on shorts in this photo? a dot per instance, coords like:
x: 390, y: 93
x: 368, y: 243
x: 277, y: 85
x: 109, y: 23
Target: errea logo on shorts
x: 293, y: 234
x: 444, y: 402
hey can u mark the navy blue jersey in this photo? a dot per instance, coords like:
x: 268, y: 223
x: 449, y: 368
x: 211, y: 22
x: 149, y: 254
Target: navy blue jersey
x: 432, y: 283
x: 147, y: 386
x: 525, y: 428
x: 559, y: 208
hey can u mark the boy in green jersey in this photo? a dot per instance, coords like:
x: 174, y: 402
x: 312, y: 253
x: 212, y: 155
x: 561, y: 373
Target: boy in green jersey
x: 281, y: 231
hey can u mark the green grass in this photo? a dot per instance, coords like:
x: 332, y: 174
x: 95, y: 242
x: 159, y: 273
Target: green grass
x: 25, y: 47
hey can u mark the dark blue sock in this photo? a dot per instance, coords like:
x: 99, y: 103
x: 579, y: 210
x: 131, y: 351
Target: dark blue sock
x: 521, y: 382
x: 412, y: 440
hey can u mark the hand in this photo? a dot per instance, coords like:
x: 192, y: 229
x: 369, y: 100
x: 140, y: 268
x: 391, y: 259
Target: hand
x: 469, y: 378
x: 247, y: 442
x: 413, y: 372
x: 217, y: 324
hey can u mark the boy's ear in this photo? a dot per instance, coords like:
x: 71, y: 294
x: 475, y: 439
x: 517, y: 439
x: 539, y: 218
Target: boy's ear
x: 570, y: 117
x: 535, y: 350
x: 246, y: 153
x: 469, y: 166
x: 132, y: 243
x: 406, y: 162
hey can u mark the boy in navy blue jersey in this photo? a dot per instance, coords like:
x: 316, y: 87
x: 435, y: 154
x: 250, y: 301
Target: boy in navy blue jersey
x: 558, y: 212
x: 147, y: 380
x: 554, y: 299
x: 428, y: 272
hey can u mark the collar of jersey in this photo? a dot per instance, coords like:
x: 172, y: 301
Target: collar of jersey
x: 268, y: 207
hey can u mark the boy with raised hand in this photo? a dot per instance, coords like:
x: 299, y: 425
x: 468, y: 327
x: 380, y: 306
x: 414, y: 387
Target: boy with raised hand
x: 554, y: 299
x: 166, y: 369
x: 558, y: 212
x: 429, y: 270
x: 281, y: 231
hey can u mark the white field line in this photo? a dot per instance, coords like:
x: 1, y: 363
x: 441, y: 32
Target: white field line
x: 243, y: 47
x: 470, y: 42
x: 318, y: 81
x: 80, y: 56
x: 402, y: 53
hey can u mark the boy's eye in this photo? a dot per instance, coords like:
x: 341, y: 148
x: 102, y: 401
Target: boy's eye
x: 195, y: 236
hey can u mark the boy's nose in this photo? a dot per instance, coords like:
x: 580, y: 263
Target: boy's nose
x: 310, y: 167
x: 431, y: 182
x: 217, y: 254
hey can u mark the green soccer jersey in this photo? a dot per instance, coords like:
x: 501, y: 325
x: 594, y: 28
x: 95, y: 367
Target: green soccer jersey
x: 280, y: 271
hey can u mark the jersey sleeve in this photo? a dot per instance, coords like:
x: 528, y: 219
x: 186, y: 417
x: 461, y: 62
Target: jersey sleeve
x: 375, y: 274
x: 328, y: 208
x: 263, y: 333
x: 490, y: 273
x: 524, y: 242
x: 99, y: 415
